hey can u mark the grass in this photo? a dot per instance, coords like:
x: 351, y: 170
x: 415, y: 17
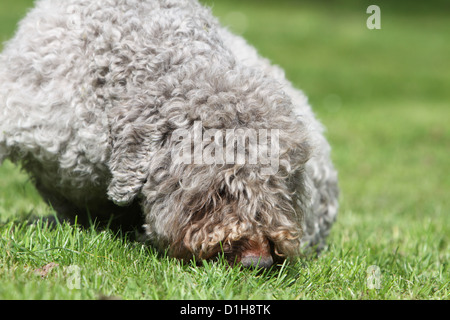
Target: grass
x: 382, y: 94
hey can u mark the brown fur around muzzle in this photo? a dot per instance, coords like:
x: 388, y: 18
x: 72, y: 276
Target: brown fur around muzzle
x: 257, y: 252
x: 236, y: 224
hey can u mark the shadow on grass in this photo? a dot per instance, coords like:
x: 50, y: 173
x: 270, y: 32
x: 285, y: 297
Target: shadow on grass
x: 284, y: 273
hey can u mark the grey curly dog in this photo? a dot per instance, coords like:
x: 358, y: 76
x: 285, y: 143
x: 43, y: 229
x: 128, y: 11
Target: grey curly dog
x: 117, y: 107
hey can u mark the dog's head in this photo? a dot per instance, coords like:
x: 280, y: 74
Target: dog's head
x: 251, y: 215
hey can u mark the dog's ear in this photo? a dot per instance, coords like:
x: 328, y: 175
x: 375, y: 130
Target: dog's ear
x: 130, y: 153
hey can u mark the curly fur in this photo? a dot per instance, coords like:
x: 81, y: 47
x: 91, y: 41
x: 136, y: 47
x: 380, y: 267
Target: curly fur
x: 92, y: 91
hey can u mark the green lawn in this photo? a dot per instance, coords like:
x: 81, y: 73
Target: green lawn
x: 384, y: 97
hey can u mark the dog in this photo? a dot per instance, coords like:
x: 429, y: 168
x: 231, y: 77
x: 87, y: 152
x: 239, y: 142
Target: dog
x: 152, y: 114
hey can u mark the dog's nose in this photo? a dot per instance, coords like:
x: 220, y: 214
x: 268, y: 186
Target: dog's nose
x: 262, y: 261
